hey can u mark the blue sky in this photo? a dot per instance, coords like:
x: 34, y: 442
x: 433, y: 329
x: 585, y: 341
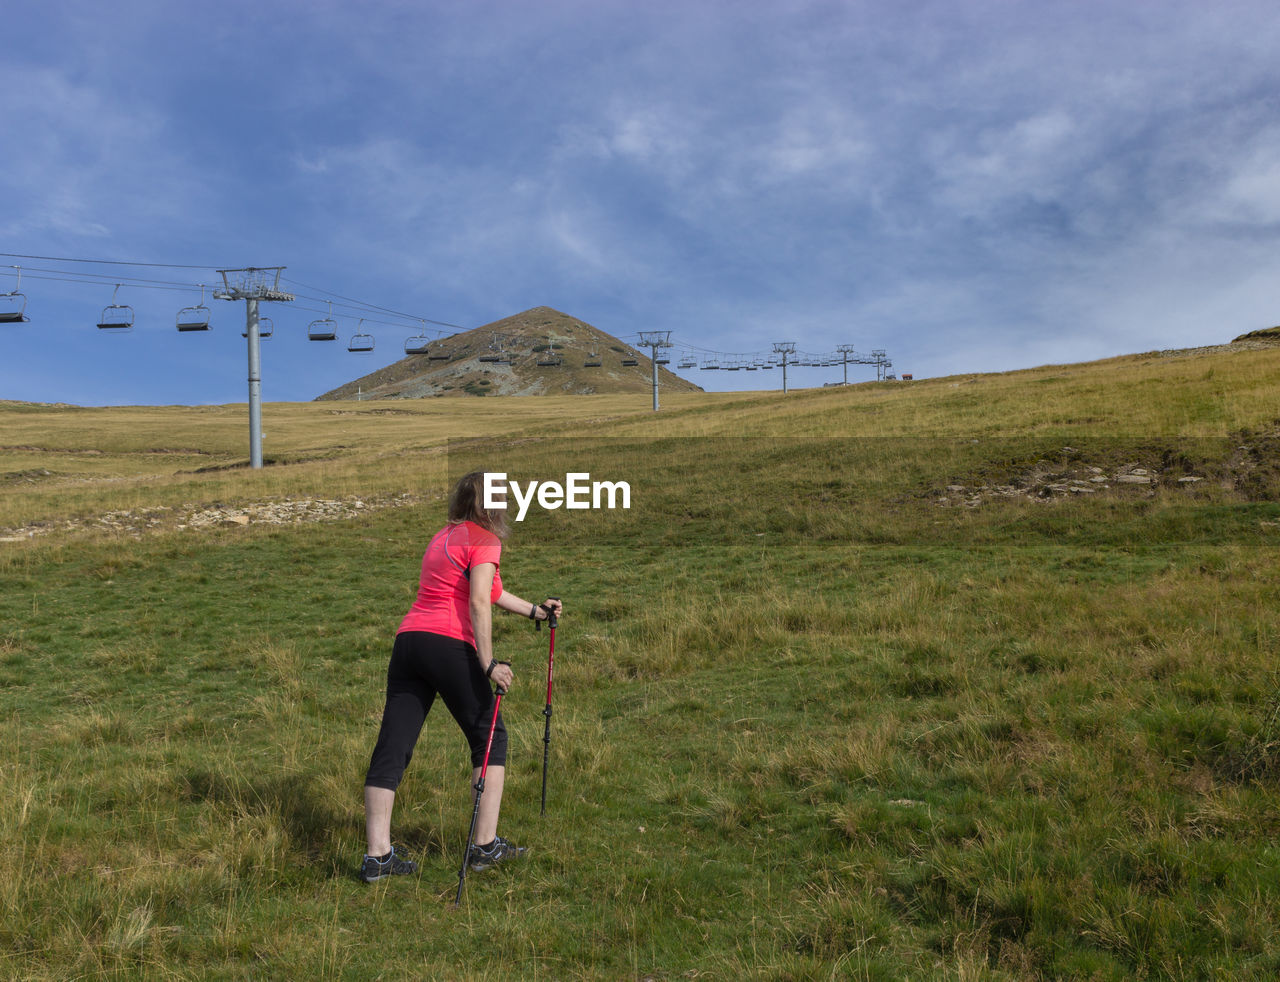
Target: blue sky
x: 971, y: 186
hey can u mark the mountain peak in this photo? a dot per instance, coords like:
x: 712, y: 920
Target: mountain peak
x: 540, y: 351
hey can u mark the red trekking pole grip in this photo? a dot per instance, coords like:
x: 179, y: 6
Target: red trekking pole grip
x: 551, y: 616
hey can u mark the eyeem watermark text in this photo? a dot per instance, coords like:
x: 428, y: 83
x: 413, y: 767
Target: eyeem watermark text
x: 578, y: 491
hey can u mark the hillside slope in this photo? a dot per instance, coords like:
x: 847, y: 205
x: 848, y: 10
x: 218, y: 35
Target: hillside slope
x: 951, y: 679
x: 510, y: 357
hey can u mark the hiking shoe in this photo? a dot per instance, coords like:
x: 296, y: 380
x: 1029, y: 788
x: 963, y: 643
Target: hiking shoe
x: 482, y: 857
x: 374, y: 868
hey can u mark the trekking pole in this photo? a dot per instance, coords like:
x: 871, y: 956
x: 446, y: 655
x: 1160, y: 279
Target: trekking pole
x: 479, y: 787
x: 546, y: 733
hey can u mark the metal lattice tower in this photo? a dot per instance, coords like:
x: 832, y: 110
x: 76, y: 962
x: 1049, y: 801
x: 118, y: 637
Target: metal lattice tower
x: 653, y: 340
x: 253, y: 284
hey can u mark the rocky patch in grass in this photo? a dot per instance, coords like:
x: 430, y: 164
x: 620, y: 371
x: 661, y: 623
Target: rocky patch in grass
x: 1049, y: 482
x: 288, y: 511
x: 34, y: 475
x: 1246, y: 464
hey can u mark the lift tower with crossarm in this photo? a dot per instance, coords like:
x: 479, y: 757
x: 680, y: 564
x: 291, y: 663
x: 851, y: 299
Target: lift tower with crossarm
x: 253, y: 284
x: 653, y: 340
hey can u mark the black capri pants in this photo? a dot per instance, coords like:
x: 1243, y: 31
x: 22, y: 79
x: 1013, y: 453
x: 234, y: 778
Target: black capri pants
x: 422, y: 665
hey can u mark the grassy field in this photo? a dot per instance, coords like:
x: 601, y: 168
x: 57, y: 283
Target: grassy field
x: 972, y: 678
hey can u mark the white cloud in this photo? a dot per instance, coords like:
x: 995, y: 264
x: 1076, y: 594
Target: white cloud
x: 1249, y: 190
x: 91, y: 165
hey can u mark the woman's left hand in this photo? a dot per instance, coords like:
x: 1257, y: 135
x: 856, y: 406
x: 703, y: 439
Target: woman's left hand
x: 553, y: 604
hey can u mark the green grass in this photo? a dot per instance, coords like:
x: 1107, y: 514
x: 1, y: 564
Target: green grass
x: 810, y: 723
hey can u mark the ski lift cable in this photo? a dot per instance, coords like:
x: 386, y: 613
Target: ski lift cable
x: 367, y: 320
x: 71, y: 276
x: 106, y: 262
x: 796, y: 358
x: 123, y: 281
x: 369, y: 306
x: 688, y: 346
x: 74, y: 276
x: 60, y: 276
x: 359, y: 308
x: 87, y: 277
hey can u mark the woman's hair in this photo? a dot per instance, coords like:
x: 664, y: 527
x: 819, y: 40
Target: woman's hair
x: 466, y: 504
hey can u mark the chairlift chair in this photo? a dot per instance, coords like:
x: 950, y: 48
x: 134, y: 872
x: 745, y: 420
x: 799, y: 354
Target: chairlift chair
x: 265, y: 328
x: 419, y: 344
x: 194, y: 318
x: 629, y: 362
x: 323, y: 329
x: 116, y: 316
x: 360, y: 342
x: 688, y: 363
x: 13, y: 305
x: 592, y: 360
x: 710, y: 365
x: 438, y: 354
x: 662, y: 360
x: 494, y: 354
x: 549, y: 358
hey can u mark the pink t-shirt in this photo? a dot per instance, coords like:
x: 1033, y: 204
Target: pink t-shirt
x: 443, y: 604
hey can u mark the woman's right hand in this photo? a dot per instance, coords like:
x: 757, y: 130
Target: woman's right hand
x: 502, y: 676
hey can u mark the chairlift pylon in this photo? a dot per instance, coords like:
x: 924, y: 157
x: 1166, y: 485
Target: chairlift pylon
x: 194, y: 318
x: 360, y: 342
x: 13, y: 305
x: 324, y: 329
x: 116, y: 316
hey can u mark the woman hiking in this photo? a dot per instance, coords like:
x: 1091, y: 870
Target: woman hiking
x: 444, y: 647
